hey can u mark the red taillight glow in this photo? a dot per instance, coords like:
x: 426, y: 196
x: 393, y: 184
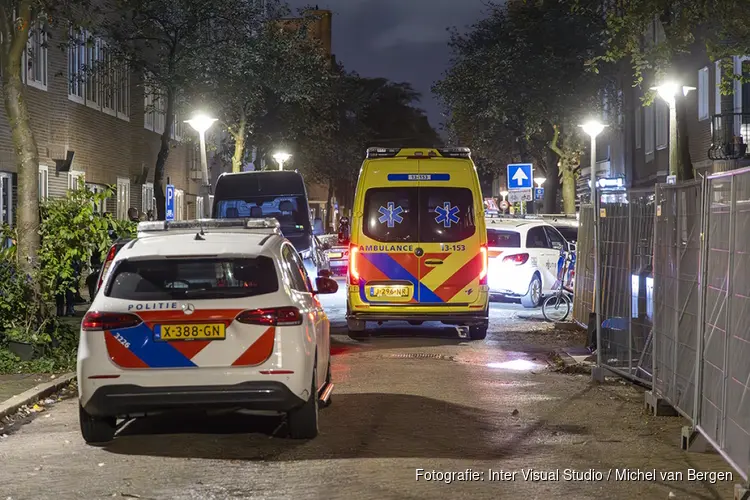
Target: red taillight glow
x: 107, y: 262
x: 518, y: 259
x: 353, y: 271
x: 483, y: 272
x: 280, y: 316
x: 95, y: 321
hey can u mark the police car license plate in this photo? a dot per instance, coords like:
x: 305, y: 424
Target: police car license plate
x: 335, y: 255
x: 389, y: 291
x: 208, y: 331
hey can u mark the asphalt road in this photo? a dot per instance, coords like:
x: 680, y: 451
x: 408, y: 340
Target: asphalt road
x: 407, y: 398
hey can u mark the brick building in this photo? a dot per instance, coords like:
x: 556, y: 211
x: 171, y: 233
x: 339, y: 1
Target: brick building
x: 109, y: 125
x: 637, y: 146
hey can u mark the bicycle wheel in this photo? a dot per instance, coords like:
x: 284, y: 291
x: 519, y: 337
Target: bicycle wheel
x: 556, y: 307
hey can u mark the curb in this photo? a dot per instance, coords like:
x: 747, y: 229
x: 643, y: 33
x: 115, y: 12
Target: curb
x: 34, y: 394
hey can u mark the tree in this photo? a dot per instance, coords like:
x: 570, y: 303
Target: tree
x: 162, y: 40
x: 20, y: 19
x: 263, y: 78
x: 656, y: 38
x: 518, y: 80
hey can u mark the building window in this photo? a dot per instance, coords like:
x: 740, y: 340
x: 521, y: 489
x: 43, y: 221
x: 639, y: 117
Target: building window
x: 154, y: 111
x: 638, y: 127
x: 147, y: 198
x: 662, y: 124
x: 123, y: 198
x: 100, y: 207
x: 648, y: 131
x: 35, y: 57
x: 717, y: 90
x: 43, y: 182
x: 96, y: 77
x: 703, y: 94
x: 178, y: 128
x: 75, y: 178
x: 179, y: 204
x: 6, y: 198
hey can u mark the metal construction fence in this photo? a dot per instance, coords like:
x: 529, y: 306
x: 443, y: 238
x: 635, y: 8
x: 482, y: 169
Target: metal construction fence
x: 675, y: 299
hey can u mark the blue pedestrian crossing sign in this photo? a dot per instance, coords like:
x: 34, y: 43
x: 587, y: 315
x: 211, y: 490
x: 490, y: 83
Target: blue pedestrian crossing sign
x: 538, y: 193
x: 170, y: 202
x: 520, y: 176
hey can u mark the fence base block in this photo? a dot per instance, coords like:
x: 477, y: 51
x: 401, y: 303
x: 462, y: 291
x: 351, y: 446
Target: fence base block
x: 659, y: 407
x: 741, y: 492
x: 692, y: 440
x: 598, y: 373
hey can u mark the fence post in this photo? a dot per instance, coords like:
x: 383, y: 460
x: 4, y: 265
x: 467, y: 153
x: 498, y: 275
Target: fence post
x: 597, y: 373
x: 630, y: 280
x: 657, y: 285
x: 705, y: 215
x: 676, y: 250
x: 728, y: 308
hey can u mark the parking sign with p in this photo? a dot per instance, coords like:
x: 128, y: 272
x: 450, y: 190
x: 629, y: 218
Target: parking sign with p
x: 170, y: 202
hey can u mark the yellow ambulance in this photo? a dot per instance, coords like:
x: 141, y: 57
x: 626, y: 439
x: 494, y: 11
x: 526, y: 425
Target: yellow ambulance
x: 418, y: 247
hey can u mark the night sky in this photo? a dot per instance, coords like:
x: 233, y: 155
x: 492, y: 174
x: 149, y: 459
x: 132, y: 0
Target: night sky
x: 402, y: 40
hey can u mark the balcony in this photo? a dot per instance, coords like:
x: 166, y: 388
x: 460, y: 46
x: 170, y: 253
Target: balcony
x: 730, y: 136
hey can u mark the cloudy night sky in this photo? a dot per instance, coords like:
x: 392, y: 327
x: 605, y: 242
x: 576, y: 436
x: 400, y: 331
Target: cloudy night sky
x: 402, y: 40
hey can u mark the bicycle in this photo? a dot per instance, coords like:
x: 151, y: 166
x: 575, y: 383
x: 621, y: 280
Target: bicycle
x: 556, y: 307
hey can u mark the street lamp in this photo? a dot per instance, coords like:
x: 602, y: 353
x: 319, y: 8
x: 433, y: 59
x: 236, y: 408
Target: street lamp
x: 201, y: 123
x: 594, y: 128
x: 281, y: 158
x: 669, y: 91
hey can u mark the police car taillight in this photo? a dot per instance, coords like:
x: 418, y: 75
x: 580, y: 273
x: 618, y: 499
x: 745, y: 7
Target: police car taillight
x: 279, y: 316
x: 518, y: 259
x: 96, y: 321
x: 107, y: 262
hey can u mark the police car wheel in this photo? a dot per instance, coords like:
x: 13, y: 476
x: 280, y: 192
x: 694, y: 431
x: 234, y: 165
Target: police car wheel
x: 533, y: 296
x: 303, y: 420
x: 478, y: 332
x: 96, y: 430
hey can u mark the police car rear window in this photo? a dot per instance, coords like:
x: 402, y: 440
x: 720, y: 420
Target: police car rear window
x: 503, y: 239
x: 164, y: 279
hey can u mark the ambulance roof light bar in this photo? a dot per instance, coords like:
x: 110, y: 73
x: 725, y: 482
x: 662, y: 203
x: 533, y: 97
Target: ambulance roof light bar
x: 382, y: 152
x: 267, y: 225
x: 455, y: 152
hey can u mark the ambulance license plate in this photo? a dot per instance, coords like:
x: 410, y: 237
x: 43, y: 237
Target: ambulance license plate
x: 389, y: 291
x: 204, y: 331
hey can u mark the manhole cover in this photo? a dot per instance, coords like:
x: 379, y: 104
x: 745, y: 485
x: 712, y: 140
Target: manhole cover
x: 422, y: 355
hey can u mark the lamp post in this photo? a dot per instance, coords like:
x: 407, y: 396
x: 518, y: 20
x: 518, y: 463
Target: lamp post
x: 594, y: 128
x: 669, y: 91
x: 201, y: 123
x: 281, y: 158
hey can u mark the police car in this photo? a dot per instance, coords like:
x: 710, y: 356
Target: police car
x: 524, y: 258
x: 205, y: 314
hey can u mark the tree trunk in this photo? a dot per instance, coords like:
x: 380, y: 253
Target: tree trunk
x: 161, y: 158
x: 24, y: 145
x: 329, y: 206
x: 551, y: 184
x: 240, y: 143
x: 568, y: 188
x: 684, y: 161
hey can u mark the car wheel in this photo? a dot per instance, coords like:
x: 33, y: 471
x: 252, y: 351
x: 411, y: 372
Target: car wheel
x: 478, y: 332
x: 96, y: 430
x: 533, y: 296
x: 303, y: 420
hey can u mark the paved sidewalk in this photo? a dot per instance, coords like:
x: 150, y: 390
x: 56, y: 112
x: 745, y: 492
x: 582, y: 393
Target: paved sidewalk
x: 13, y: 385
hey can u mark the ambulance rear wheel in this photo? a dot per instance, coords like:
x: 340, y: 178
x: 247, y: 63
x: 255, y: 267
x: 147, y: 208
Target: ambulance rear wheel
x: 478, y: 332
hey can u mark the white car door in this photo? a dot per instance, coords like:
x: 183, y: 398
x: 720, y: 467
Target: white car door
x: 546, y: 257
x: 312, y: 304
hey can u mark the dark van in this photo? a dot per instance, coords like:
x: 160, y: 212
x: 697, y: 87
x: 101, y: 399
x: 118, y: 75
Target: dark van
x: 277, y: 194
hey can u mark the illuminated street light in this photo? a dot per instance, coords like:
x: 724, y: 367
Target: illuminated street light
x: 594, y: 128
x: 281, y: 158
x: 669, y: 91
x: 201, y: 123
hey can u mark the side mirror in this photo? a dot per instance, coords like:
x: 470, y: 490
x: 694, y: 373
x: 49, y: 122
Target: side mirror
x: 324, y: 273
x: 326, y: 285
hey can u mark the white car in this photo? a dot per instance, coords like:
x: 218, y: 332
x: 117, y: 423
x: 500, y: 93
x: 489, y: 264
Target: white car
x: 524, y: 258
x: 205, y: 315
